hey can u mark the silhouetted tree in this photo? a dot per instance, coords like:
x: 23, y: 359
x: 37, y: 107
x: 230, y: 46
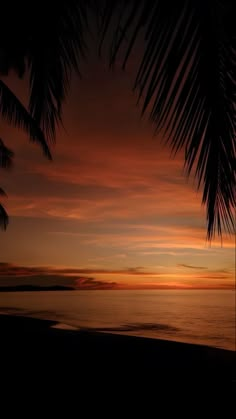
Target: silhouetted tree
x: 46, y: 42
x: 187, y: 80
x: 186, y: 77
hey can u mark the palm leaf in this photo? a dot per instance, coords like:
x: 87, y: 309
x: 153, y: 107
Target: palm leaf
x: 56, y: 47
x: 187, y: 82
x: 6, y: 156
x: 16, y: 114
x: 2, y: 192
x: 3, y: 218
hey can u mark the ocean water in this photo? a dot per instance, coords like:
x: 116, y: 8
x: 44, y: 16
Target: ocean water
x: 202, y: 317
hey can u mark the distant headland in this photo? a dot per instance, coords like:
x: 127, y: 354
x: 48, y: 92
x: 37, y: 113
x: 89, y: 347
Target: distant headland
x: 17, y: 288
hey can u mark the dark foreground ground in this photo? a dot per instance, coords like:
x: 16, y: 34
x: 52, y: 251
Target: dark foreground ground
x: 44, y: 368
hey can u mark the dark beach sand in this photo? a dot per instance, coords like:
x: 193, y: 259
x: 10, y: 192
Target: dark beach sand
x: 39, y: 360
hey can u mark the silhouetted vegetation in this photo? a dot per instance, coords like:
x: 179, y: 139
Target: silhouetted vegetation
x: 47, y: 45
x: 186, y: 79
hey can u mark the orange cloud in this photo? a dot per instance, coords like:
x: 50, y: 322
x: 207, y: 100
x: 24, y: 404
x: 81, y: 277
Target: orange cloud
x: 126, y: 278
x: 111, y: 197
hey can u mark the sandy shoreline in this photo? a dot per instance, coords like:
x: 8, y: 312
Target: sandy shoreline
x: 37, y: 332
x: 33, y: 351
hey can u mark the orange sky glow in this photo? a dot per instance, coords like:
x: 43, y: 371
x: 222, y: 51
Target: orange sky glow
x: 113, y: 210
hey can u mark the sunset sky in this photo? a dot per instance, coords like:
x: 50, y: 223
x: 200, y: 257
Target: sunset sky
x: 113, y: 209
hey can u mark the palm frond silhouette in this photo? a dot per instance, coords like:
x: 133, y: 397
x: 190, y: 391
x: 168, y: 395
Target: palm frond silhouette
x: 47, y: 43
x: 16, y: 114
x: 6, y: 156
x: 186, y: 80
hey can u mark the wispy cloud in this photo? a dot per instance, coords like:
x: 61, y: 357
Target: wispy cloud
x: 125, y: 278
x: 11, y: 270
x: 11, y: 275
x: 93, y: 284
x: 183, y: 265
x: 112, y: 198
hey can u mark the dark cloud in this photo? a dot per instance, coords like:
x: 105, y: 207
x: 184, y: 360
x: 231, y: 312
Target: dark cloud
x: 183, y: 265
x: 136, y: 270
x: 93, y: 284
x: 11, y: 270
x: 8, y: 269
x: 41, y: 185
x: 12, y: 275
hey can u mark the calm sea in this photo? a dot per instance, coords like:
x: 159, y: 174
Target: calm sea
x: 203, y: 317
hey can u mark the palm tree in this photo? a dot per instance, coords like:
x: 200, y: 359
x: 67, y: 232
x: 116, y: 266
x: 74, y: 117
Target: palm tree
x: 187, y: 81
x: 46, y: 43
x: 186, y: 77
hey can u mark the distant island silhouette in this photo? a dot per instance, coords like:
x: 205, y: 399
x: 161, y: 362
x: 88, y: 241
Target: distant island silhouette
x: 35, y: 288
